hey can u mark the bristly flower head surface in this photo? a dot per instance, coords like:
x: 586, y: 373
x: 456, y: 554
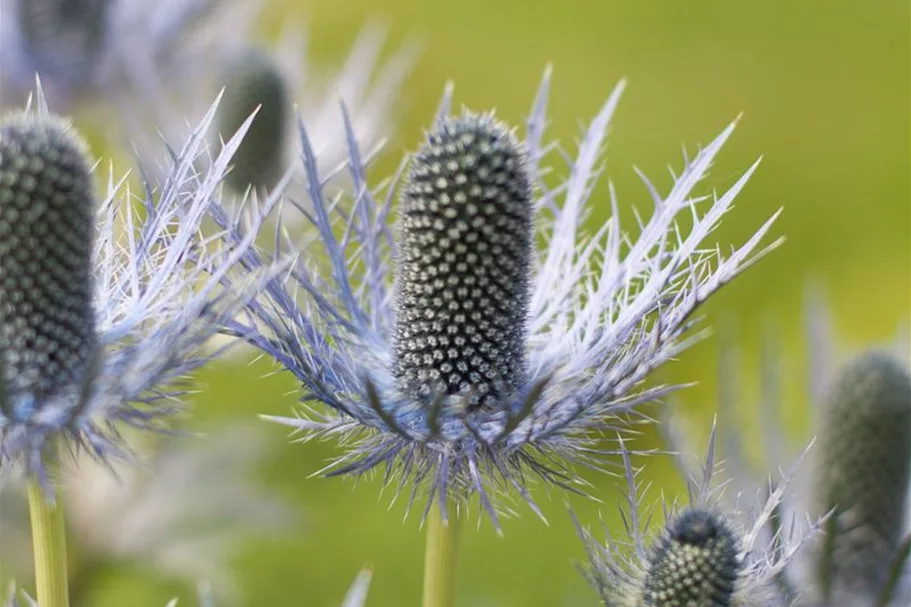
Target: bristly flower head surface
x: 95, y: 327
x: 455, y: 353
x: 465, y: 246
x: 706, y: 554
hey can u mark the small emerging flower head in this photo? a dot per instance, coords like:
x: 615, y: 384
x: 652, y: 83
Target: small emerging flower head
x: 465, y: 238
x: 254, y: 82
x: 452, y: 351
x: 47, y: 210
x: 695, y: 562
x: 708, y: 553
x: 100, y: 313
x: 864, y: 470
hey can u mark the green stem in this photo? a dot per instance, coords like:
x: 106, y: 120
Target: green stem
x: 441, y: 557
x: 49, y: 545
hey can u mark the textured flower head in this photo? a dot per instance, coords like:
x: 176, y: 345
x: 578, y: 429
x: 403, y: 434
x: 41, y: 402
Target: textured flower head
x: 860, y: 472
x: 452, y: 351
x: 101, y: 311
x: 707, y: 553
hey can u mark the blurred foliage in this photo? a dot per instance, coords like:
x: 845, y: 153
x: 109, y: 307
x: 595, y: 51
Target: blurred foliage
x: 824, y: 89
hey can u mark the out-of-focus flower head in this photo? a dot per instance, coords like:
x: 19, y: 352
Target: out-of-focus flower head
x: 712, y: 552
x: 120, y: 53
x: 487, y: 360
x: 102, y: 310
x: 184, y: 513
x: 271, y: 78
x: 860, y: 411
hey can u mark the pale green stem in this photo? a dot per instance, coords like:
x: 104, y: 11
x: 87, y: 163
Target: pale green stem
x: 441, y: 558
x: 49, y: 546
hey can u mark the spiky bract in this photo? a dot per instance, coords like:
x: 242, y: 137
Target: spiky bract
x: 601, y: 316
x: 253, y: 80
x: 865, y: 467
x: 47, y: 211
x: 152, y: 310
x: 695, y: 562
x: 465, y: 237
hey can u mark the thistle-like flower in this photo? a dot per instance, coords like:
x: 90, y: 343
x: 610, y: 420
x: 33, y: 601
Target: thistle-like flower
x: 706, y: 554
x: 487, y: 359
x: 860, y: 473
x: 95, y: 327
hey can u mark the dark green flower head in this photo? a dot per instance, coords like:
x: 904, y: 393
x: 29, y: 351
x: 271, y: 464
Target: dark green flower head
x: 252, y: 80
x: 463, y: 278
x: 864, y: 466
x: 695, y: 563
x: 47, y: 207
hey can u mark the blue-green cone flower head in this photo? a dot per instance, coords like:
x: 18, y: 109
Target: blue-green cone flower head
x: 695, y: 562
x: 863, y: 471
x: 47, y: 210
x: 449, y: 348
x: 253, y: 82
x: 100, y: 315
x: 465, y: 234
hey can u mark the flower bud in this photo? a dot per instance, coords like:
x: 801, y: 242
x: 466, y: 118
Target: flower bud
x: 695, y: 563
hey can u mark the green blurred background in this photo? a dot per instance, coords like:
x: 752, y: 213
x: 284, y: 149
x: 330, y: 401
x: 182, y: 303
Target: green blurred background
x: 824, y: 89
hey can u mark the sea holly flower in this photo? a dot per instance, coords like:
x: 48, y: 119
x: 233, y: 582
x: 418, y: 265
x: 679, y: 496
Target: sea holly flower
x: 861, y: 414
x: 102, y: 315
x: 709, y: 552
x: 449, y: 349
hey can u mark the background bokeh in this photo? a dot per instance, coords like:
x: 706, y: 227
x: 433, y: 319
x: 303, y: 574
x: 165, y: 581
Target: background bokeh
x: 825, y: 91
